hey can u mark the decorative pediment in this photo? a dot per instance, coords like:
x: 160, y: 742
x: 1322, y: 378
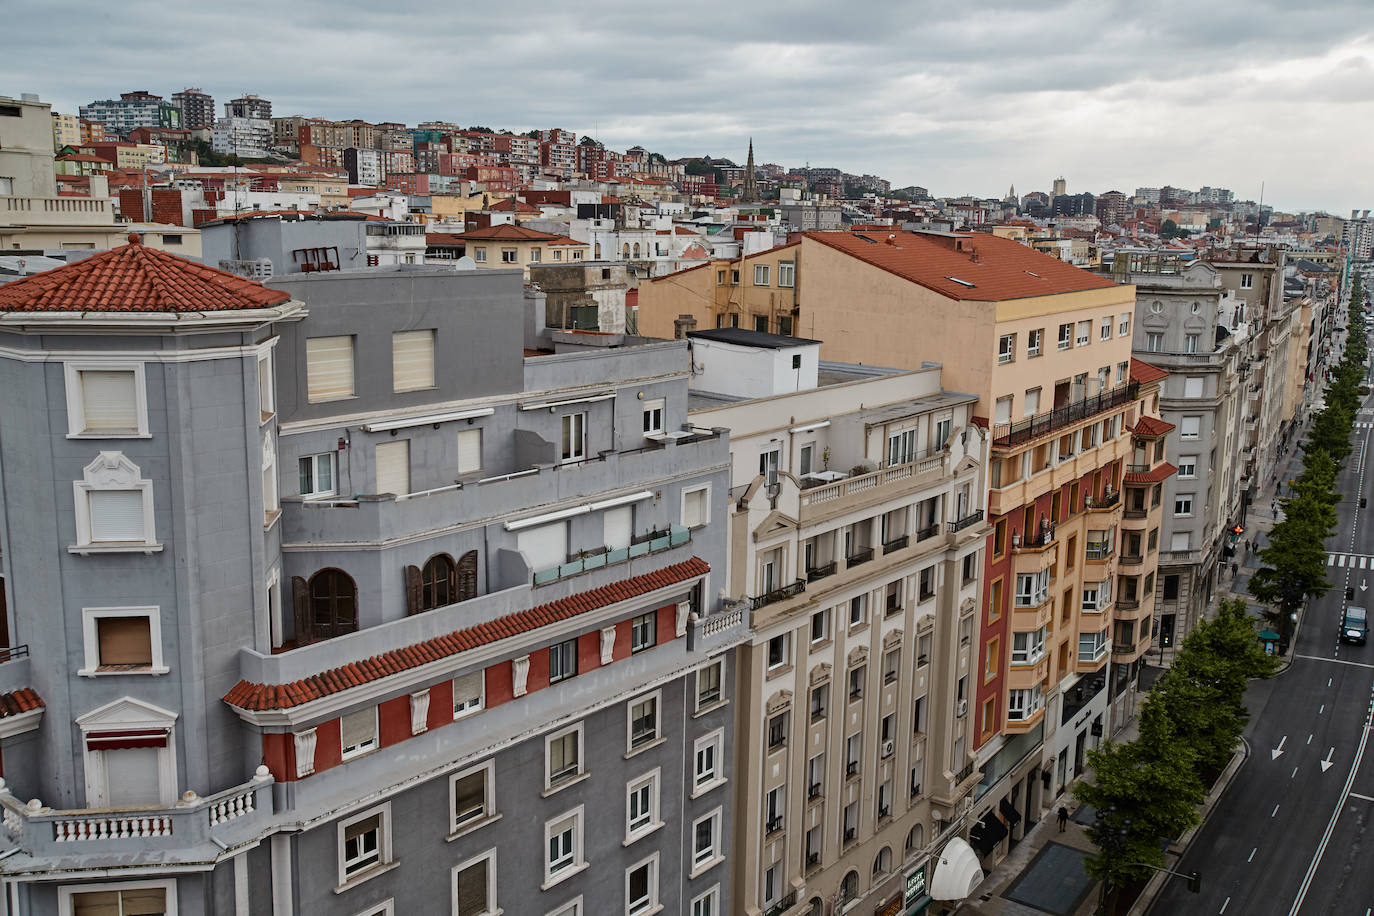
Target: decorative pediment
x: 968, y: 464
x: 779, y: 701
x: 773, y: 524
x: 893, y: 639
x: 126, y: 714
x: 858, y: 655
x: 967, y: 604
x: 820, y: 674
x: 112, y: 471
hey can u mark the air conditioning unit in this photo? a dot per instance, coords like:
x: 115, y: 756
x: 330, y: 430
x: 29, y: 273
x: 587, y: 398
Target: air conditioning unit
x: 962, y: 709
x: 888, y: 747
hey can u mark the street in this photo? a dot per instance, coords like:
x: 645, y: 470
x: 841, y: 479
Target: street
x: 1289, y: 835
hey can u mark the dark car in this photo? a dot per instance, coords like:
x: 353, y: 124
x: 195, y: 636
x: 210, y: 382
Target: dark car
x: 1354, y: 629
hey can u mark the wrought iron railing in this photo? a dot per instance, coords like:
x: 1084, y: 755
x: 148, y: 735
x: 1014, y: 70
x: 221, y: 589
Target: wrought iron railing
x: 970, y: 519
x: 862, y: 555
x: 1009, y: 434
x: 896, y: 544
x: 778, y: 594
x: 816, y: 573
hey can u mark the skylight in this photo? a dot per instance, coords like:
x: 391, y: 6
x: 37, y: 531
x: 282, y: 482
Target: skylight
x: 960, y: 282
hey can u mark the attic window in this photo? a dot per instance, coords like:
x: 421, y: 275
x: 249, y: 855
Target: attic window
x: 1034, y: 274
x: 866, y: 239
x: 960, y: 282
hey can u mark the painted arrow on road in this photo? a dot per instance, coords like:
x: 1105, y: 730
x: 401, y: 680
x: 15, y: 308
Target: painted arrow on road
x: 1363, y: 587
x: 1277, y: 752
x: 1327, y: 763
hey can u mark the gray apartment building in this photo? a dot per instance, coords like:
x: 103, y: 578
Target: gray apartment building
x: 323, y: 598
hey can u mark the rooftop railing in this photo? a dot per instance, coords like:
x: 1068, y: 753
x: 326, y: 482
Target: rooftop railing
x: 1008, y: 434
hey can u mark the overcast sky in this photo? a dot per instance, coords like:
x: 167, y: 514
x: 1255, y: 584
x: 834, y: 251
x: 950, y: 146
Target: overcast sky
x: 961, y: 98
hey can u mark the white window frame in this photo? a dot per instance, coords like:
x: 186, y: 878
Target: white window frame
x: 469, y: 433
x: 577, y: 449
x: 314, y: 459
x: 1187, y: 466
x: 469, y: 708
x: 112, y: 471
x: 653, y: 415
x: 1035, y: 343
x: 651, y: 820
x: 383, y: 845
x: 901, y: 446
x: 1006, y: 349
x: 1124, y: 325
x: 76, y: 402
x: 656, y: 697
x: 267, y: 390
x: 66, y: 906
x: 719, y: 664
x: 786, y: 651
x: 572, y: 907
x: 91, y: 639
x: 1105, y: 328
x: 697, y: 865
x: 1247, y: 281
x: 649, y: 904
x: 127, y: 714
x: 1022, y: 704
x: 787, y: 274
x: 510, y: 256
x: 364, y: 747
x: 1183, y: 433
x: 353, y: 369
x: 386, y: 908
x: 706, y: 505
x: 715, y: 777
x: 1083, y: 333
x: 707, y: 904
x: 1034, y: 650
x: 490, y: 857
x: 571, y: 861
x: 1183, y: 505
x: 570, y: 776
x: 479, y: 255
x: 488, y: 814
x: 761, y: 275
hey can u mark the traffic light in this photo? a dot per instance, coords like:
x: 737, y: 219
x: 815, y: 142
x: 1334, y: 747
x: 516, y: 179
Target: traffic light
x: 1195, y: 882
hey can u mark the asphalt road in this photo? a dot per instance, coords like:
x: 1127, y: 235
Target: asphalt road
x: 1291, y: 834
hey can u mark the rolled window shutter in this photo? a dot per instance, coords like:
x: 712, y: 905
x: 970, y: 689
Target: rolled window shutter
x: 109, y: 400
x: 393, y: 467
x: 469, y: 450
x: 117, y: 515
x: 412, y: 360
x: 467, y: 576
x: 328, y: 368
x: 413, y: 590
x: 358, y: 727
x: 125, y: 641
x: 300, y: 610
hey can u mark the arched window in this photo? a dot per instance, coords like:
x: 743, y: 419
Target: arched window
x: 333, y: 606
x: 597, y: 252
x: 849, y: 887
x: 915, y: 839
x: 627, y: 251
x: 817, y: 907
x: 437, y: 584
x: 882, y: 864
x: 441, y: 582
x: 636, y: 249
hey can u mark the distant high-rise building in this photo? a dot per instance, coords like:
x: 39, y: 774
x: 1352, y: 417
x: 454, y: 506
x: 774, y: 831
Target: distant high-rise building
x: 133, y: 109
x: 249, y: 106
x: 197, y: 108
x: 1060, y: 187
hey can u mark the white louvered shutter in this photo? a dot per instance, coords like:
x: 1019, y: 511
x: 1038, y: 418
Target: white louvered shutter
x: 328, y: 368
x: 412, y: 360
x: 546, y: 546
x: 109, y: 400
x: 616, y: 523
x: 469, y: 450
x: 694, y: 508
x: 117, y: 515
x: 393, y: 467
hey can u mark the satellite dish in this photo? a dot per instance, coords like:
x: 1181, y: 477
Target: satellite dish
x: 465, y: 263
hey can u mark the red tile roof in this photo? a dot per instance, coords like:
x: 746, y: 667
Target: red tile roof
x: 511, y: 203
x: 1155, y: 475
x: 995, y: 268
x: 22, y: 700
x: 136, y: 278
x: 250, y: 696
x: 1152, y: 427
x: 1145, y: 373
x: 443, y: 238
x: 507, y: 232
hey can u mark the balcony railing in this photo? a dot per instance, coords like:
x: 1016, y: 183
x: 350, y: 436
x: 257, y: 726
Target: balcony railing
x: 896, y: 544
x: 1099, y: 551
x: 778, y: 594
x: 1036, y: 541
x: 10, y: 653
x: 1107, y: 501
x: 970, y: 519
x: 676, y: 536
x: 927, y: 532
x: 783, y: 905
x: 816, y: 573
x: 1009, y: 434
x: 862, y: 555
x: 1127, y: 604
x: 1138, y: 468
x: 880, y: 477
x: 1132, y: 559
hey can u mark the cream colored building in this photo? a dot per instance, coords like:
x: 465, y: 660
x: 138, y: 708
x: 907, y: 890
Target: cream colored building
x: 66, y: 131
x: 856, y: 538
x: 507, y: 245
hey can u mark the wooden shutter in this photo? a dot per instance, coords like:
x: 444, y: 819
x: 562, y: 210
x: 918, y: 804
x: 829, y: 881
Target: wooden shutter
x: 328, y: 368
x: 393, y: 467
x: 124, y: 641
x: 300, y: 610
x: 414, y: 602
x: 467, y: 576
x: 469, y: 450
x: 117, y: 515
x: 109, y: 400
x: 143, y: 901
x: 412, y: 360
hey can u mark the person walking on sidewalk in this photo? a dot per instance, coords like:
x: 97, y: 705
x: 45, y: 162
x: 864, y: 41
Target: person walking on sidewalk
x: 1063, y: 818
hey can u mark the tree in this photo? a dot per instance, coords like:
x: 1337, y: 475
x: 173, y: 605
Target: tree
x: 1171, y: 230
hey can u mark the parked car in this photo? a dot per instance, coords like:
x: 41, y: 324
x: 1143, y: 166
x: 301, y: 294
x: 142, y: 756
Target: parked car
x: 1354, y: 628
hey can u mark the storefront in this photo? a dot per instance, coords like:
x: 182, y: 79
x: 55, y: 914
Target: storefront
x: 916, y: 900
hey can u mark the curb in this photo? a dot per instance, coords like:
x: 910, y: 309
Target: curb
x: 1179, y: 847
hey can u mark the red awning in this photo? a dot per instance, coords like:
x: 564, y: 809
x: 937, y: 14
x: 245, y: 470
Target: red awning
x: 114, y: 741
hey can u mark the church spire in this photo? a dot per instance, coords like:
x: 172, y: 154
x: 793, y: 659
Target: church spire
x: 750, y: 192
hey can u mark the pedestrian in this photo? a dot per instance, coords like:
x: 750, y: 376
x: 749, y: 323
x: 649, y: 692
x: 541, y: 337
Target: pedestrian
x: 1235, y: 569
x: 1276, y: 513
x: 1063, y: 818
x: 1247, y: 545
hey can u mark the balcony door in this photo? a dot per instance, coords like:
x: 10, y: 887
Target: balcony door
x: 129, y: 755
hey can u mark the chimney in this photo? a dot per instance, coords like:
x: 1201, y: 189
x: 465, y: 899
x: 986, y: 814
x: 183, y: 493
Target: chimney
x: 681, y: 325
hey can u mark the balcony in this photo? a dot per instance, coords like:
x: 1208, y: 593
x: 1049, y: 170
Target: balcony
x: 777, y: 594
x: 1099, y: 552
x: 971, y: 519
x: 1038, y: 541
x: 1104, y: 503
x: 858, y: 557
x: 783, y: 905
x: 194, y: 826
x: 641, y: 546
x: 1012, y: 434
x: 816, y: 573
x: 895, y: 544
x: 927, y: 532
x: 912, y: 475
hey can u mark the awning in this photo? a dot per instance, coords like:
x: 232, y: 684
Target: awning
x: 1010, y: 813
x: 114, y: 741
x: 987, y: 833
x: 957, y: 873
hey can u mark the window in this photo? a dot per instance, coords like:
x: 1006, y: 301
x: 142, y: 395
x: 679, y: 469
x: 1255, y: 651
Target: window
x: 1006, y: 348
x: 1032, y: 402
x: 563, y: 840
x: 643, y: 721
x: 696, y: 507
x: 925, y: 584
x: 819, y: 695
x: 1121, y: 372
x: 122, y: 640
x: 479, y: 255
x: 850, y: 824
x: 1065, y: 336
x: 364, y: 842
x: 1188, y: 427
x: 760, y: 274
x: 641, y: 806
x: 1034, y: 341
x: 574, y: 441
x: 1187, y: 465
x: 358, y: 732
x: 467, y: 694
x: 1085, y: 330
x: 858, y: 610
x: 1192, y: 387
x: 942, y: 429
x: 1247, y: 281
x: 1003, y: 410
x: 1154, y: 343
x: 573, y: 907
x: 1183, y: 505
x: 474, y: 886
x: 734, y: 277
x: 856, y: 681
x: 708, y: 904
x: 774, y: 806
x: 106, y: 399
x: 642, y: 631
x: 412, y: 360
x: 1181, y: 540
x: 326, y: 607
x: 641, y: 887
x: 923, y: 646
x: 1092, y: 646
x: 787, y: 278
x: 1124, y: 325
x: 778, y: 654
x: 708, y: 684
x: 706, y: 761
x: 469, y: 450
x: 563, y: 755
x: 820, y: 626
x: 393, y: 467
x: 653, y: 416
x: 720, y: 278
x: 317, y: 475
x: 1190, y: 343
x: 777, y: 731
x: 473, y: 796
x: 563, y: 661
x: 509, y: 256
x: 706, y: 840
x: 114, y: 506
x: 1105, y: 331
x: 267, y: 394
x: 122, y: 899
x: 1022, y: 704
x: 328, y: 369
x: 1028, y: 648
x: 901, y: 447
x: 1032, y: 589
x: 535, y: 255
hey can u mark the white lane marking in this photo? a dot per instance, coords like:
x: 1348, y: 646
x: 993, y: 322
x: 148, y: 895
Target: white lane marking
x: 1277, y: 752
x: 1338, y: 661
x: 1294, y: 773
x: 1224, y: 904
x: 1362, y: 797
x: 1275, y: 811
x: 1328, y: 682
x: 1309, y: 739
x: 1251, y: 857
x: 1322, y: 710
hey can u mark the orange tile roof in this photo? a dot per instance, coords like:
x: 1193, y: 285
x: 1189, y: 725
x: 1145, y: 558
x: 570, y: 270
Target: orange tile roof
x: 511, y: 203
x: 250, y: 696
x: 507, y: 232
x: 996, y: 268
x: 1154, y: 475
x: 136, y: 278
x: 25, y: 699
x: 1145, y: 373
x: 443, y: 238
x: 1152, y: 427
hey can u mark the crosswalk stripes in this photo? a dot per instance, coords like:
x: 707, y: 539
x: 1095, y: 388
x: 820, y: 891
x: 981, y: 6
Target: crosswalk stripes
x: 1350, y: 560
